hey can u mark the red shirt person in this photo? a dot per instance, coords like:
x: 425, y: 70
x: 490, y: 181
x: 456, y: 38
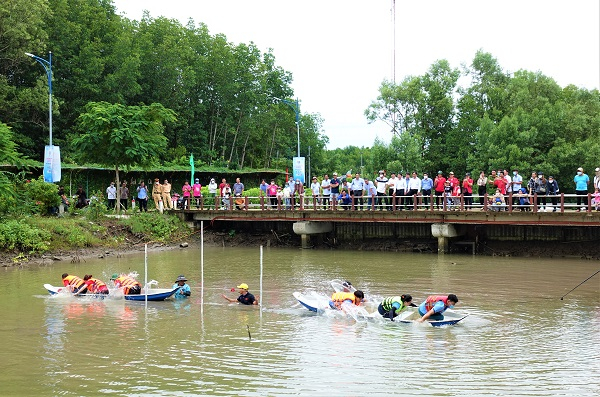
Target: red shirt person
x: 500, y: 183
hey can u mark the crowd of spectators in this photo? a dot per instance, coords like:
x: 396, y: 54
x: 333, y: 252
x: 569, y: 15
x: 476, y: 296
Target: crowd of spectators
x: 494, y: 191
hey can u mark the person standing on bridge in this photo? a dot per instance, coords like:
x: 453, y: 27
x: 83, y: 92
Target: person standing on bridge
x: 439, y: 184
x: 187, y: 191
x: 197, y: 192
x: 581, y: 188
x: 166, y: 195
x: 157, y: 190
x: 357, y: 186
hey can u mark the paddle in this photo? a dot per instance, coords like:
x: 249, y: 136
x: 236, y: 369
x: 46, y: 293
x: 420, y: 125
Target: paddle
x: 561, y: 298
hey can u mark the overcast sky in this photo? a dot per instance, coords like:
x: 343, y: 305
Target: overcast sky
x: 340, y: 51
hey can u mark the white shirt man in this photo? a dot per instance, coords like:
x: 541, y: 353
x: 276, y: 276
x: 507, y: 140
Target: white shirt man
x: 326, y: 186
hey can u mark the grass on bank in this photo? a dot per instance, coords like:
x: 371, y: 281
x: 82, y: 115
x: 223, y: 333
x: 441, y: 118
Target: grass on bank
x: 34, y: 235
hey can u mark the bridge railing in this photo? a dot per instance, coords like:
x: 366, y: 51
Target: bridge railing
x: 512, y: 203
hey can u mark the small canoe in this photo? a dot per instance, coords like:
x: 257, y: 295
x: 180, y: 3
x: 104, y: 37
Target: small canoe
x: 450, y: 318
x: 154, y: 294
x: 53, y: 290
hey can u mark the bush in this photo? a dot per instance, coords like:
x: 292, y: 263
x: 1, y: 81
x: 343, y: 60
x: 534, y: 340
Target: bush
x: 97, y: 207
x: 40, y: 197
x: 69, y: 233
x: 15, y: 234
x: 160, y: 227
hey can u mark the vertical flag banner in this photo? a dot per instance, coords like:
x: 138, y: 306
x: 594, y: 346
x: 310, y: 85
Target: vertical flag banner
x: 52, y: 171
x: 192, y: 167
x: 299, y: 169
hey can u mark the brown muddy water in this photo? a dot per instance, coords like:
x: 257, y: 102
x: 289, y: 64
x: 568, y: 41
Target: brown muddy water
x: 520, y: 339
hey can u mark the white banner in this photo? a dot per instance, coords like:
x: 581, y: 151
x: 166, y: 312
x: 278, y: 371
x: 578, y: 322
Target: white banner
x: 299, y: 169
x: 52, y: 164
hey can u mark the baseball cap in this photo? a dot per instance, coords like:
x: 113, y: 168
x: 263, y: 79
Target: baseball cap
x: 114, y: 276
x: 243, y: 286
x: 597, y: 169
x: 335, y: 173
x: 579, y: 169
x: 440, y: 172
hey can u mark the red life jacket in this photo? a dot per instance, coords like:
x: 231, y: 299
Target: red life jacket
x: 433, y: 299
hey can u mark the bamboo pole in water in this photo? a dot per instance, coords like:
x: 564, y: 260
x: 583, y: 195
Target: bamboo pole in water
x: 261, y: 280
x: 202, y: 267
x: 146, y: 274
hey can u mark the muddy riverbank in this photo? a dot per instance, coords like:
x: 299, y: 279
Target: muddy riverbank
x: 133, y: 244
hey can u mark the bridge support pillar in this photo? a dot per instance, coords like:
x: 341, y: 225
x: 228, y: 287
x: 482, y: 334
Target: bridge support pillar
x: 443, y: 244
x: 305, y: 240
x: 305, y: 229
x: 444, y: 232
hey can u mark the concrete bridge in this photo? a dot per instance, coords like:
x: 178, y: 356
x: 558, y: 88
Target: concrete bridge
x: 461, y: 226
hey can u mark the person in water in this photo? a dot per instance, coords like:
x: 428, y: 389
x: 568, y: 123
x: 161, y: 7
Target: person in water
x: 338, y: 298
x: 184, y: 290
x: 245, y: 297
x: 95, y: 286
x: 391, y: 307
x: 130, y: 285
x: 74, y: 283
x: 433, y: 307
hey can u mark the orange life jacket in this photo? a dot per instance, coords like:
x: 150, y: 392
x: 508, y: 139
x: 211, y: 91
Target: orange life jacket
x: 126, y: 282
x: 431, y: 300
x: 73, y: 281
x: 95, y: 286
x: 345, y: 296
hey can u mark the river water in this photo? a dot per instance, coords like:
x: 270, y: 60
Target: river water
x: 520, y: 339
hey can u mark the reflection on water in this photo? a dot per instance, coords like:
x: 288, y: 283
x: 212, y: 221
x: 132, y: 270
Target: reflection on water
x: 519, y: 340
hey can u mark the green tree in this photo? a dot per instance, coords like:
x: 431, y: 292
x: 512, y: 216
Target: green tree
x: 23, y: 83
x: 122, y: 136
x: 8, y: 155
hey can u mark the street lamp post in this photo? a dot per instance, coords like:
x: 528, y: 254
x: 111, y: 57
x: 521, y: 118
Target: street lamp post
x: 47, y: 64
x: 296, y: 107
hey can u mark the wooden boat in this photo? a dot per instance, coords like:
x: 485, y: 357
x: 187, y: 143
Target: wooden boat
x: 154, y: 294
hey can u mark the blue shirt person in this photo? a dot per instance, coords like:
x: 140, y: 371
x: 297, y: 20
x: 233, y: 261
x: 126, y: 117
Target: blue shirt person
x: 433, y: 307
x: 581, y: 188
x: 184, y: 290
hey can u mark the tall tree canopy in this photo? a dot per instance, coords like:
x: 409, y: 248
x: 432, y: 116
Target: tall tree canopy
x: 497, y: 120
x: 222, y: 92
x: 115, y: 135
